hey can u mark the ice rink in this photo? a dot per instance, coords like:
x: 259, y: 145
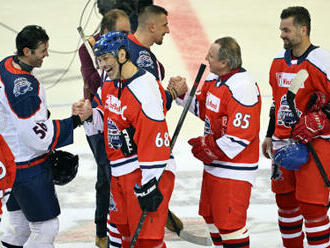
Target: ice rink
x: 194, y: 24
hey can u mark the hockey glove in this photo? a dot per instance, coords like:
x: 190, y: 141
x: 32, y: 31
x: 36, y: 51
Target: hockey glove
x: 316, y: 101
x: 205, y: 148
x: 310, y: 125
x: 148, y: 195
x: 128, y: 146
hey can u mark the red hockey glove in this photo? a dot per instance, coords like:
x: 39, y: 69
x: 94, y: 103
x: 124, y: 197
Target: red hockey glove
x: 310, y: 125
x: 205, y: 148
x: 219, y: 127
x: 316, y: 101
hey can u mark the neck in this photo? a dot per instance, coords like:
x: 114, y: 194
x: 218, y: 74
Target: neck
x: 301, y: 48
x: 128, y: 70
x: 143, y: 37
x: 21, y: 63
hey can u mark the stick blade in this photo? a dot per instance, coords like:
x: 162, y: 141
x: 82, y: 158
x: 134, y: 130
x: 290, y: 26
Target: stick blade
x: 296, y: 83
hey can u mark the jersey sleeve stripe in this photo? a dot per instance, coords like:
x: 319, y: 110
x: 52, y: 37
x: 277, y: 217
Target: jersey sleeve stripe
x: 232, y: 146
x: 155, y: 166
x: 57, y: 134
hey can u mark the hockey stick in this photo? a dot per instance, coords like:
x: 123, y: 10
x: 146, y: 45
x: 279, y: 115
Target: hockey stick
x: 187, y: 105
x: 179, y: 228
x: 296, y: 83
x: 181, y: 233
x: 87, y: 45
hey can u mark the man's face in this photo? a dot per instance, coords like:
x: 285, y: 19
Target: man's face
x: 160, y: 28
x: 290, y: 34
x: 34, y: 57
x: 109, y: 63
x: 216, y: 66
x: 123, y: 25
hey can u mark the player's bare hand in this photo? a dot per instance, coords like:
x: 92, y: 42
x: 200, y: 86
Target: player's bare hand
x: 76, y: 107
x: 177, y: 86
x: 266, y: 147
x: 86, y: 110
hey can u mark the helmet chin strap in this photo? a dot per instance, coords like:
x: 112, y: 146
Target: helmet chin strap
x: 120, y: 68
x: 24, y: 67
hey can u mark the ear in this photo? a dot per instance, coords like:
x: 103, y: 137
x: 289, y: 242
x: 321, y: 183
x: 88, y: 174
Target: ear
x: 27, y: 51
x: 304, y: 30
x: 122, y: 55
x: 152, y: 27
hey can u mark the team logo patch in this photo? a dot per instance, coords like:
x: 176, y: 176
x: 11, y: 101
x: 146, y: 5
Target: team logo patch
x: 144, y: 60
x: 212, y: 102
x: 21, y: 86
x: 114, y: 140
x: 284, y: 79
x: 285, y: 115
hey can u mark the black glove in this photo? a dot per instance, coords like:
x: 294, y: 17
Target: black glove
x: 148, y: 195
x: 128, y: 146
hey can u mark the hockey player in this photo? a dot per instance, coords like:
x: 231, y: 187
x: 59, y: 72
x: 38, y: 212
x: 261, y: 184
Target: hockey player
x: 25, y: 125
x: 152, y: 28
x: 118, y: 20
x: 300, y: 195
x: 7, y: 172
x: 131, y: 112
x: 229, y: 103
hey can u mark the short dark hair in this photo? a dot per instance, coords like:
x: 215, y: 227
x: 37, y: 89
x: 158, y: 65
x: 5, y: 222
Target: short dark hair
x: 30, y: 37
x: 230, y: 51
x: 301, y: 16
x: 109, y: 20
x: 148, y: 11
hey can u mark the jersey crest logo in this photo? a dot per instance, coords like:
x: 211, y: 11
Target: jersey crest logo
x: 285, y: 116
x: 212, y: 102
x: 114, y: 140
x: 144, y: 60
x: 21, y: 86
x: 284, y: 79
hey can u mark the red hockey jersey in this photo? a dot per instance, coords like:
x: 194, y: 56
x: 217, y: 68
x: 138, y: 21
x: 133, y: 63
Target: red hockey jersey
x: 7, y: 171
x: 238, y: 98
x: 140, y: 105
x: 284, y: 68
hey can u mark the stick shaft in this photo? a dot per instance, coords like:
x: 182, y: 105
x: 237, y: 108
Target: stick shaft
x: 187, y: 105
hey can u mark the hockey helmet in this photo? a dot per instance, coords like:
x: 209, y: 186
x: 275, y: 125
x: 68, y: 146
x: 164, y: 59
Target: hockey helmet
x: 292, y: 156
x: 64, y: 166
x: 111, y: 43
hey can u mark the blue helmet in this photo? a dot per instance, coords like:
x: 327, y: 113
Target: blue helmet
x: 292, y: 156
x: 110, y: 43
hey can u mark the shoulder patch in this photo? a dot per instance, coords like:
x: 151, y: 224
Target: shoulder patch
x: 146, y: 90
x: 243, y: 88
x: 21, y: 86
x: 144, y: 60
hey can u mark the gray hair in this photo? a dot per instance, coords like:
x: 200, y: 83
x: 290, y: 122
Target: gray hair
x: 230, y: 51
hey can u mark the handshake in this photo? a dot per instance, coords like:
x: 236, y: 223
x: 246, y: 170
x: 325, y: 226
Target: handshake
x: 177, y: 87
x: 83, y: 109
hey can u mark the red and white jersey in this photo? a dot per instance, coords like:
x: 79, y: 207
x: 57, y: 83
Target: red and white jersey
x: 284, y: 68
x: 236, y: 96
x: 7, y: 172
x: 139, y: 105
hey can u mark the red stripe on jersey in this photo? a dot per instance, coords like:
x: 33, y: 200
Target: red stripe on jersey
x: 58, y: 130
